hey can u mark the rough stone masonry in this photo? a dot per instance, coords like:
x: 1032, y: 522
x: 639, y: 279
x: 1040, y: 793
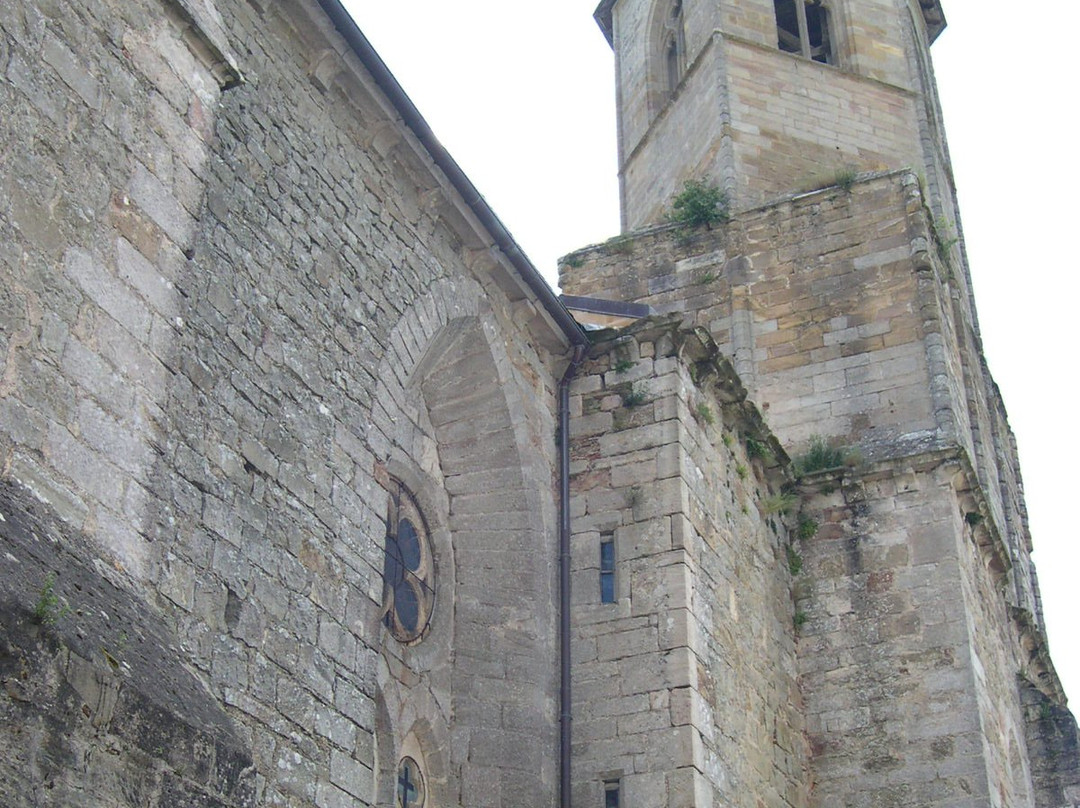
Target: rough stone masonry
x: 279, y: 457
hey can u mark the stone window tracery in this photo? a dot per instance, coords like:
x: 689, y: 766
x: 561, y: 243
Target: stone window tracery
x: 410, y: 789
x: 802, y: 28
x: 408, y: 568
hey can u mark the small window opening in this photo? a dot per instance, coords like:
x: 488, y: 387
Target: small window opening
x: 802, y: 28
x: 410, y: 784
x: 672, y: 59
x: 607, y: 570
x: 611, y: 794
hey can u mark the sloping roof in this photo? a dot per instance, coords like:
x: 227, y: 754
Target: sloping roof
x: 931, y: 9
x: 397, y: 96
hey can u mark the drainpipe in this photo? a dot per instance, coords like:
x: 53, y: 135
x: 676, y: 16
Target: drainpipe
x: 565, y: 714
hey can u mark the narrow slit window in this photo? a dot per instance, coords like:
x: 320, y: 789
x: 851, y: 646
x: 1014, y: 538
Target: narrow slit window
x: 802, y: 28
x: 672, y: 50
x: 672, y: 66
x: 611, y: 794
x: 607, y: 570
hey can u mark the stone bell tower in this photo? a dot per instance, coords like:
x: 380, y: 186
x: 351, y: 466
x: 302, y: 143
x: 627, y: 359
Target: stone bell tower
x: 709, y: 90
x: 918, y: 672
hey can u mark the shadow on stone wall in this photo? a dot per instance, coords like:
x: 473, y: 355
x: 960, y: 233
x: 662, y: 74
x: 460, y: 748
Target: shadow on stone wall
x: 1053, y: 749
x: 97, y: 706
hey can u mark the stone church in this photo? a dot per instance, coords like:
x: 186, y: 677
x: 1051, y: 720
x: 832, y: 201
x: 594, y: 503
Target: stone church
x: 313, y: 493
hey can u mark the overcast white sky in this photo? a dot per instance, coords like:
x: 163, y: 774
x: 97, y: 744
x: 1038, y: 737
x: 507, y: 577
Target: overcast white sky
x: 522, y: 94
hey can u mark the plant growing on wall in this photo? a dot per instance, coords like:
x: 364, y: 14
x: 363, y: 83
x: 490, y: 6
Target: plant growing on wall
x: 946, y: 239
x: 794, y: 560
x: 755, y: 447
x: 807, y: 528
x: 819, y: 456
x: 780, y: 503
x: 845, y: 179
x: 699, y: 205
x: 48, y: 611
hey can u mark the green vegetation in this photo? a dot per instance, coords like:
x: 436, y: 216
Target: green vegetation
x: 621, y: 245
x: 700, y: 205
x: 780, y: 503
x: 845, y: 179
x: 757, y: 448
x: 48, y: 610
x: 946, y: 239
x: 800, y: 619
x: 819, y: 456
x: 704, y: 414
x: 633, y: 397
x: 973, y: 518
x: 742, y: 471
x: 794, y: 561
x: 623, y: 365
x: 807, y: 528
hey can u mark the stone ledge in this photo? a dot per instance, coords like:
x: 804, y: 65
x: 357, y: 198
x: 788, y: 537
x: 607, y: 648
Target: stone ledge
x: 204, y: 32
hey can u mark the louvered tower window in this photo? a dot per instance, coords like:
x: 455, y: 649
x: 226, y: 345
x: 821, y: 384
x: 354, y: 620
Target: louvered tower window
x: 802, y: 28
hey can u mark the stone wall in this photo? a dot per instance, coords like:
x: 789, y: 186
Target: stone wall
x: 844, y: 317
x: 813, y: 298
x: 685, y: 686
x: 907, y: 703
x: 99, y: 709
x: 241, y: 307
x: 761, y: 122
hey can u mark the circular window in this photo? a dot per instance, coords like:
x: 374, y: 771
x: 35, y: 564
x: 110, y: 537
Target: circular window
x: 408, y: 568
x: 410, y: 784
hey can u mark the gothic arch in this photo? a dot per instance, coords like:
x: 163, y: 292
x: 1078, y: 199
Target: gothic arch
x: 461, y: 430
x: 668, y: 57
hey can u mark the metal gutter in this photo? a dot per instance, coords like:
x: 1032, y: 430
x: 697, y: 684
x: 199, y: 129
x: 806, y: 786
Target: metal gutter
x: 386, y: 82
x: 566, y: 716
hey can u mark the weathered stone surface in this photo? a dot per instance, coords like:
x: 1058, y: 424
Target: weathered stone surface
x: 240, y: 300
x: 99, y: 702
x: 242, y: 311
x: 669, y: 661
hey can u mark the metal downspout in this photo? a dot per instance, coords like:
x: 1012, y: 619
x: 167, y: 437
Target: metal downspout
x: 566, y: 713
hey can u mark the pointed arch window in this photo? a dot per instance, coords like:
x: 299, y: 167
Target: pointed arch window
x: 802, y: 28
x: 408, y: 568
x: 674, y: 48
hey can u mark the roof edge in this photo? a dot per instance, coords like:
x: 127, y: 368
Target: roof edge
x: 373, y: 63
x: 602, y: 15
x: 935, y: 18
